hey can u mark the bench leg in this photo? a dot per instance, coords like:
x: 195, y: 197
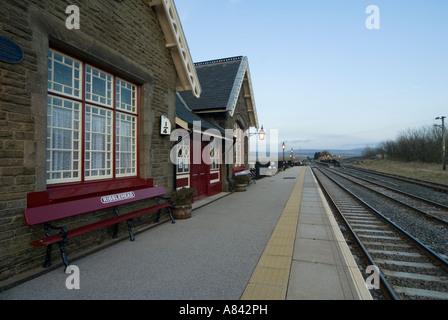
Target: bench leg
x: 47, y: 262
x: 171, y: 215
x: 170, y: 211
x: 116, y: 230
x: 131, y: 234
x: 63, y: 233
x: 63, y: 254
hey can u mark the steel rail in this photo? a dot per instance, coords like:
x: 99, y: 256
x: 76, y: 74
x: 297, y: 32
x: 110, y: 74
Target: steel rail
x: 436, y: 257
x: 431, y: 202
x: 427, y: 201
x: 419, y: 245
x: 441, y: 187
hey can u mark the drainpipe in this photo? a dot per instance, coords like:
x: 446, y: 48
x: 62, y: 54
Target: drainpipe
x: 174, y: 177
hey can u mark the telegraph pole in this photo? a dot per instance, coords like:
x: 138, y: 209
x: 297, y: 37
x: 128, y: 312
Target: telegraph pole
x: 443, y: 141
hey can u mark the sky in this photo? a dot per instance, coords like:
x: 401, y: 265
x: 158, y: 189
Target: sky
x: 321, y: 78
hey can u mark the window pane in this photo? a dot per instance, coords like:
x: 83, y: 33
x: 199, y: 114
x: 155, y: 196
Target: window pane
x: 126, y: 145
x: 183, y: 156
x: 186, y: 156
x: 63, y: 145
x: 98, y: 86
x: 215, y: 155
x: 98, y: 142
x: 126, y: 96
x: 63, y: 74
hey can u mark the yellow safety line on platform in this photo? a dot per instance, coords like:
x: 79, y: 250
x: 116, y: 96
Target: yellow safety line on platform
x: 270, y: 278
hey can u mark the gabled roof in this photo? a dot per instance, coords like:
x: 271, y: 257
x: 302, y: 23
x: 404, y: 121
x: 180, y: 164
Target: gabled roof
x: 175, y: 40
x: 222, y: 82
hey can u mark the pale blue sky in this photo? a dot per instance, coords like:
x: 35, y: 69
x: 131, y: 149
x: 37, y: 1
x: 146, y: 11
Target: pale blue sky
x: 319, y: 75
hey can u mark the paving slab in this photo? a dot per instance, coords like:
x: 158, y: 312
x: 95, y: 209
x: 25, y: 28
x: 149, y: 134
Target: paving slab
x: 322, y: 267
x: 276, y: 241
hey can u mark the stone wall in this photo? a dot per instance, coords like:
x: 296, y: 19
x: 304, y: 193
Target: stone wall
x: 121, y: 37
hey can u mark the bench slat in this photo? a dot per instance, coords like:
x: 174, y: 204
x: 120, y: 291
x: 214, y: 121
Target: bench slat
x: 97, y: 225
x: 52, y: 212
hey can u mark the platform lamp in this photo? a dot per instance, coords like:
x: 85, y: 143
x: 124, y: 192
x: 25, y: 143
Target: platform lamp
x: 283, y: 147
x: 292, y: 157
x: 261, y: 136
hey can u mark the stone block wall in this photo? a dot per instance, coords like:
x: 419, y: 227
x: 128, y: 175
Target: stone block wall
x: 122, y: 37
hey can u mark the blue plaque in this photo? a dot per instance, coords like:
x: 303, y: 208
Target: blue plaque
x: 10, y: 52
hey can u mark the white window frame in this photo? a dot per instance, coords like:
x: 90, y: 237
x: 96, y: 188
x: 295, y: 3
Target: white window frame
x: 239, y: 145
x: 215, y: 155
x: 183, y: 157
x: 55, y: 152
x: 125, y: 158
x: 215, y: 159
x: 99, y: 149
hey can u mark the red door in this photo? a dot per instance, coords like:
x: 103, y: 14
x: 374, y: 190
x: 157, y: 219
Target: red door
x: 199, y: 178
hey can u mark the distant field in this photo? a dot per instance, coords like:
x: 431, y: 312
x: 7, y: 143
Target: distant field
x: 419, y: 170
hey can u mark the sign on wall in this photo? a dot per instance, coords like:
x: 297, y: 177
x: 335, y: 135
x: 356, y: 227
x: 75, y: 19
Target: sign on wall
x: 10, y: 52
x: 165, y: 126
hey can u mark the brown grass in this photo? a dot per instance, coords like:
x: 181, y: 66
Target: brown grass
x: 418, y: 170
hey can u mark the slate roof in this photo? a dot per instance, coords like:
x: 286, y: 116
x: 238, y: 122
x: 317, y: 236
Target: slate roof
x: 221, y: 82
x: 217, y: 78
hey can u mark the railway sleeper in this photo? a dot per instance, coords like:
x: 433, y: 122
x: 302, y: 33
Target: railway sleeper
x: 421, y: 293
x: 416, y: 276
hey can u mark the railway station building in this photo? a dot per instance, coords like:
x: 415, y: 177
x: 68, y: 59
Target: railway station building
x: 224, y: 113
x: 85, y: 91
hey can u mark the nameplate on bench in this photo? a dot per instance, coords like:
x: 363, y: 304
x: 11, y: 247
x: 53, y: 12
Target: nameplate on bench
x: 117, y: 197
x: 242, y: 173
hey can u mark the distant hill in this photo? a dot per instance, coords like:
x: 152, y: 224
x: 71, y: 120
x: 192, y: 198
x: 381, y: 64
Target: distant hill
x: 304, y: 153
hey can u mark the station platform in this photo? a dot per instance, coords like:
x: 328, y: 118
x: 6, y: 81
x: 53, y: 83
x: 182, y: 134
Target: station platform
x: 276, y: 241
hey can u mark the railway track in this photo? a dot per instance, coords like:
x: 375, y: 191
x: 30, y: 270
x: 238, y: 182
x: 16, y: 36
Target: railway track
x: 408, y: 269
x: 428, y: 208
x: 439, y: 187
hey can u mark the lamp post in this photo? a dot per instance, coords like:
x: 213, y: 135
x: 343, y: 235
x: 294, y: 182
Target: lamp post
x: 283, y: 147
x: 443, y: 141
x: 261, y: 136
x: 292, y: 157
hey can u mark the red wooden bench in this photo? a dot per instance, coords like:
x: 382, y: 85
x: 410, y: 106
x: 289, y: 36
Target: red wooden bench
x: 239, y: 171
x: 47, y: 207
